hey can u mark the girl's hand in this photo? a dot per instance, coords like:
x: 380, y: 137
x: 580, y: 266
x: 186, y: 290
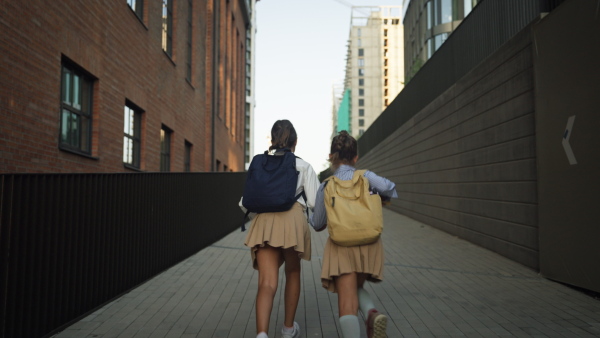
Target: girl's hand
x: 385, y: 200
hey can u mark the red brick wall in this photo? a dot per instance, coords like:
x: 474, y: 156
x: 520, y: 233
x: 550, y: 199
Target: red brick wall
x: 230, y: 108
x: 107, y: 39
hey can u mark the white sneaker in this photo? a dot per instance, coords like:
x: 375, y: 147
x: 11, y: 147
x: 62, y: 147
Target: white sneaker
x: 294, y: 334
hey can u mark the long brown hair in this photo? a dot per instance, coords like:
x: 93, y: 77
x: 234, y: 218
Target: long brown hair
x: 283, y: 135
x: 344, y: 149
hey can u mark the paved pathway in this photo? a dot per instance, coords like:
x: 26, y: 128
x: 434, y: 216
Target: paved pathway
x: 435, y: 285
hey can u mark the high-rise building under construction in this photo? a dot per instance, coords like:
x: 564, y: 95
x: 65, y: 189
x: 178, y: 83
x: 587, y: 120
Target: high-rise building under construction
x: 374, y: 67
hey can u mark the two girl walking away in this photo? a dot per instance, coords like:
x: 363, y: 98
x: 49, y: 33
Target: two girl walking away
x: 278, y: 237
x: 346, y: 268
x: 281, y: 237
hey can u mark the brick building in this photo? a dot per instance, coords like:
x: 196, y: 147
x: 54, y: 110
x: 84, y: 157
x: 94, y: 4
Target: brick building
x: 122, y: 85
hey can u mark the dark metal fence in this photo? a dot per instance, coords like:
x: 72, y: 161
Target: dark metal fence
x: 69, y: 243
x: 484, y: 30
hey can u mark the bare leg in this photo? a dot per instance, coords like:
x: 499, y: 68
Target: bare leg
x: 292, y: 285
x: 346, y: 285
x: 267, y: 259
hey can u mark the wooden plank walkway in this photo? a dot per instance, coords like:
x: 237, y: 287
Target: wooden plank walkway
x: 435, y: 285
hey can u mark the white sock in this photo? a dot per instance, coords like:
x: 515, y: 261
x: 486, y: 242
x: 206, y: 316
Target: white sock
x: 262, y: 335
x: 288, y: 330
x: 350, y: 326
x: 364, y: 302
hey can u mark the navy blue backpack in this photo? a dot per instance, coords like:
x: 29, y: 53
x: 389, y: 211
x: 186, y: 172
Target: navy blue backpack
x: 271, y: 183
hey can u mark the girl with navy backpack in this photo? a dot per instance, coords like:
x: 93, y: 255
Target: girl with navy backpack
x: 281, y: 237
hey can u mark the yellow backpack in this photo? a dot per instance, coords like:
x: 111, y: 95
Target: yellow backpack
x: 354, y: 215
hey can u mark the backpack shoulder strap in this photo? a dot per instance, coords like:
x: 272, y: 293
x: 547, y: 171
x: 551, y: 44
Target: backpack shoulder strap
x: 357, y: 174
x: 360, y: 172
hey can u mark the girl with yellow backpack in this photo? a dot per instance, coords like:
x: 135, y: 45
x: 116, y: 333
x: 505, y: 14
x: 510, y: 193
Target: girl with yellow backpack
x: 349, y: 205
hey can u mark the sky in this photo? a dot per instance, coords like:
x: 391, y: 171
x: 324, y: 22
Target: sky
x: 300, y: 54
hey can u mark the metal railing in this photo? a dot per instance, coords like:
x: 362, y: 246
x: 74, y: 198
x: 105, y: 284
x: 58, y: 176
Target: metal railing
x: 69, y: 243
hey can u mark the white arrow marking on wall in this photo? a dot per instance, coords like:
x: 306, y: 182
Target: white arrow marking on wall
x: 565, y: 140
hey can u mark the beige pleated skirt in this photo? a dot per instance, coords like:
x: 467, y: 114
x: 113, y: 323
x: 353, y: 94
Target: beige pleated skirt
x: 339, y: 260
x: 286, y: 229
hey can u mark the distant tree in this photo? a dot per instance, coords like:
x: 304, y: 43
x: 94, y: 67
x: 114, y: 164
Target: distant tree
x: 414, y: 69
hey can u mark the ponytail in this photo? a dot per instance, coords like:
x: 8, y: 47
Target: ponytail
x: 283, y: 135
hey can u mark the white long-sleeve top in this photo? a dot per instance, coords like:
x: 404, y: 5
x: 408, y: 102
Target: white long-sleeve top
x: 307, y: 181
x: 377, y: 184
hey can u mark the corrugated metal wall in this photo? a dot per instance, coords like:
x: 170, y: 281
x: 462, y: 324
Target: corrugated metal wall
x: 466, y: 162
x: 71, y: 242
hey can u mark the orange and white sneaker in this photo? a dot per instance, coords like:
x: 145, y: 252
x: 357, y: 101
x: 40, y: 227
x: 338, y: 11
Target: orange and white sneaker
x: 376, y: 324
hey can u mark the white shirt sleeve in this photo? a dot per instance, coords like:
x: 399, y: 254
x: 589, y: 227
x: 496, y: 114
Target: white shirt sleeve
x: 308, y: 182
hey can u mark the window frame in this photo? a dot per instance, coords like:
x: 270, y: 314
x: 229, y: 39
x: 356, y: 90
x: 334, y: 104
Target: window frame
x: 82, y: 112
x: 137, y: 6
x: 167, y: 27
x: 166, y: 139
x: 187, y: 156
x: 189, y: 58
x: 135, y: 138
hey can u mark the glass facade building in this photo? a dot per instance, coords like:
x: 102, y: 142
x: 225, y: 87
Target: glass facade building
x: 427, y: 25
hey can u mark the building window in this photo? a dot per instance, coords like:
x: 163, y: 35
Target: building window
x: 469, y: 4
x: 385, y: 32
x: 137, y: 6
x: 361, y: 52
x: 358, y: 32
x: 167, y: 26
x: 385, y: 42
x: 361, y: 92
x: 385, y: 52
x: 188, y: 61
x: 361, y: 112
x: 165, y: 149
x: 385, y: 82
x: 361, y: 72
x: 132, y: 131
x: 385, y: 92
x: 430, y: 14
x: 361, y: 132
x: 385, y: 62
x: 361, y: 102
x: 187, y: 157
x: 361, y: 122
x: 438, y: 12
x: 435, y: 43
x: 76, y: 109
x: 361, y: 82
x: 361, y: 62
x: 440, y: 39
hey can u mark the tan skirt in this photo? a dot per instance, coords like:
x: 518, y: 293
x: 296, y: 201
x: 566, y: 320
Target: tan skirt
x: 286, y: 229
x: 339, y: 260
